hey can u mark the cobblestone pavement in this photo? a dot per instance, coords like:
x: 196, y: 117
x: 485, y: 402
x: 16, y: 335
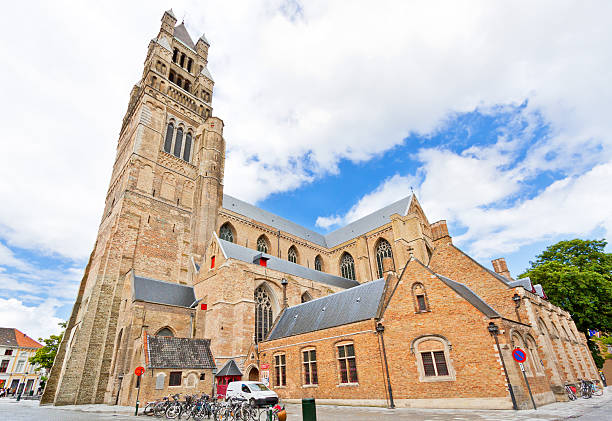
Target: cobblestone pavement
x: 594, y: 409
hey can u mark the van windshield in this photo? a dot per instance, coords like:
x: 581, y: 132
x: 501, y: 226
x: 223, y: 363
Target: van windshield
x: 258, y: 386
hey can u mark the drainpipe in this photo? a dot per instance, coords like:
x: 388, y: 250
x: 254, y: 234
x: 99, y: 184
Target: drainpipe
x: 380, y: 329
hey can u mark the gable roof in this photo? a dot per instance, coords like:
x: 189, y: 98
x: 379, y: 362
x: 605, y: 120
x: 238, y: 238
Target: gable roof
x: 344, y: 307
x: 180, y: 33
x: 161, y: 292
x: 171, y: 352
x: 206, y: 73
x: 234, y: 251
x: 523, y: 282
x: 229, y: 369
x: 332, y: 239
x: 470, y: 296
x: 15, y: 338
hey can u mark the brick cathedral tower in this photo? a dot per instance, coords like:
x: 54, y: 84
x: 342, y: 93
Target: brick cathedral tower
x: 161, y: 207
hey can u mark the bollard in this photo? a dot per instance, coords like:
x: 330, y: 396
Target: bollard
x: 18, y: 396
x: 309, y: 409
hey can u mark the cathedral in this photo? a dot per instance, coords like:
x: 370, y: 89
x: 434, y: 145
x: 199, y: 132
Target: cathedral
x: 201, y: 288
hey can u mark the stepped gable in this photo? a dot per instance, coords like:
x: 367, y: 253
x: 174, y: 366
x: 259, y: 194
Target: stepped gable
x: 344, y: 307
x: 354, y: 229
x: 234, y: 251
x: 161, y: 292
x: 171, y: 352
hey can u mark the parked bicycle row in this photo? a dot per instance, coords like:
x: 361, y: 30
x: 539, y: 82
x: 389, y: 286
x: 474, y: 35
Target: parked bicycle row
x: 587, y: 389
x: 204, y: 407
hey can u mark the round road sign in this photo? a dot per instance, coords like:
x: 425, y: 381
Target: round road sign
x: 139, y: 371
x: 519, y: 355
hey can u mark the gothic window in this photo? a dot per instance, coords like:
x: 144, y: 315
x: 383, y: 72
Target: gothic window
x: 178, y: 142
x: 175, y: 55
x: 226, y: 233
x: 164, y: 332
x: 189, y: 64
x: 532, y: 349
x: 262, y: 244
x: 263, y: 314
x: 382, y: 250
x: 306, y: 297
x: 171, y: 77
x: 187, y: 151
x: 187, y: 86
x: 182, y: 63
x: 169, y: 136
x: 347, y: 266
x: 292, y: 255
x: 318, y: 263
x: 420, y: 298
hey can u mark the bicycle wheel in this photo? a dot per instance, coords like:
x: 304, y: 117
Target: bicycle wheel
x: 159, y: 410
x: 148, y: 409
x: 173, y: 411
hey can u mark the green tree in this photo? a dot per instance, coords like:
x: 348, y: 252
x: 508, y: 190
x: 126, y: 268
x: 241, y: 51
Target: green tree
x: 577, y: 276
x: 45, y: 356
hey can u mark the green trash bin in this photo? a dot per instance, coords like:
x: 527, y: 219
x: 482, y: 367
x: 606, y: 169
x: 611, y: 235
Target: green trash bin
x: 309, y: 410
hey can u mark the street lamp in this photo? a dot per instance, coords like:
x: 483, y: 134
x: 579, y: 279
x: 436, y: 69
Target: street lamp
x: 517, y: 303
x: 494, y: 331
x: 380, y: 329
x: 284, y: 283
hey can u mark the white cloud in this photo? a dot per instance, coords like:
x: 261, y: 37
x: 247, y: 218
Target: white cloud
x: 34, y: 321
x: 299, y: 87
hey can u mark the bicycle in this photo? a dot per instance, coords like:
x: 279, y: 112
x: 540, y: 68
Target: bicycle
x: 585, y: 389
x: 596, y: 390
x: 274, y: 413
x: 571, y: 392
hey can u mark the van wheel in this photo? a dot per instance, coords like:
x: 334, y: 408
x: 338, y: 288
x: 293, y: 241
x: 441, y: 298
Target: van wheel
x: 252, y: 403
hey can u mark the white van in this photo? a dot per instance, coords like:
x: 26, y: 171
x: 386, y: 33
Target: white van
x: 256, y: 393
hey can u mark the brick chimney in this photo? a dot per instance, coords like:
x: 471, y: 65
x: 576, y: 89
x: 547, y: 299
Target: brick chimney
x: 500, y: 267
x: 439, y: 231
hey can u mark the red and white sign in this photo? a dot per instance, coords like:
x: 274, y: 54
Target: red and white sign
x: 265, y: 366
x: 139, y: 371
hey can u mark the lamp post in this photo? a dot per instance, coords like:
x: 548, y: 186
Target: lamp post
x: 380, y: 330
x: 284, y: 283
x: 517, y: 303
x: 494, y: 331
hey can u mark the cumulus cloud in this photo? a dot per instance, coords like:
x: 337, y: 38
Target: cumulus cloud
x: 35, y: 321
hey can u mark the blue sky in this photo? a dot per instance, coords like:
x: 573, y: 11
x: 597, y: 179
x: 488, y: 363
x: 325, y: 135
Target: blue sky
x: 497, y: 117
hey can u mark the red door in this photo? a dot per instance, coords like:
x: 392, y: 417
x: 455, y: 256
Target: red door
x: 221, y: 385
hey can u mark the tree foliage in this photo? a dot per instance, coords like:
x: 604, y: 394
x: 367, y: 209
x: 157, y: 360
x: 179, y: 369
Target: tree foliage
x: 45, y: 356
x: 577, y: 276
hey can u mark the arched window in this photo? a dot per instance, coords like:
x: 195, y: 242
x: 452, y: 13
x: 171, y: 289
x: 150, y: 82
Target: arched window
x: 306, y: 297
x: 187, y: 151
x: 175, y: 55
x: 189, y: 64
x: 182, y: 63
x: 187, y: 86
x: 419, y: 296
x: 263, y: 314
x: 383, y: 249
x: 318, y: 264
x: 292, y: 254
x: 262, y: 244
x: 169, y: 135
x: 347, y: 266
x: 178, y: 142
x: 517, y: 342
x: 164, y: 332
x: 226, y: 233
x: 171, y: 77
x: 433, y: 358
x: 532, y: 349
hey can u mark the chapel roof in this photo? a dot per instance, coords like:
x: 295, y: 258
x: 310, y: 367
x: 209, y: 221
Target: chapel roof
x: 244, y: 254
x: 15, y: 338
x: 344, y: 307
x: 354, y: 229
x: 171, y: 352
x: 161, y: 292
x: 229, y: 369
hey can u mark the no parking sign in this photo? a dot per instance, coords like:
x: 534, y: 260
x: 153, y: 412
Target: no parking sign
x: 519, y: 355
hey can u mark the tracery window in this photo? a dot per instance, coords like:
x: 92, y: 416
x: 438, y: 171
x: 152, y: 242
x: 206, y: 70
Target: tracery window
x: 226, y: 233
x: 318, y: 263
x: 292, y: 254
x: 164, y: 332
x: 263, y: 314
x: 347, y: 266
x: 382, y: 250
x: 262, y: 244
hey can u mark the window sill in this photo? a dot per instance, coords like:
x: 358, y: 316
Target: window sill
x: 279, y: 387
x: 433, y: 379
x: 307, y: 386
x: 348, y: 385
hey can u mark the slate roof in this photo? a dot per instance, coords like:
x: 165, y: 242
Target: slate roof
x: 180, y: 33
x: 339, y: 236
x: 229, y: 369
x: 161, y: 292
x: 234, y: 251
x: 164, y: 43
x: 171, y: 13
x: 497, y: 275
x: 206, y: 73
x: 523, y: 282
x: 539, y: 290
x: 349, y: 306
x: 15, y: 338
x: 203, y: 38
x: 470, y: 296
x: 170, y: 352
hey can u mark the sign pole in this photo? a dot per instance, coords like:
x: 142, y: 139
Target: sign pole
x: 528, y: 387
x: 138, y: 372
